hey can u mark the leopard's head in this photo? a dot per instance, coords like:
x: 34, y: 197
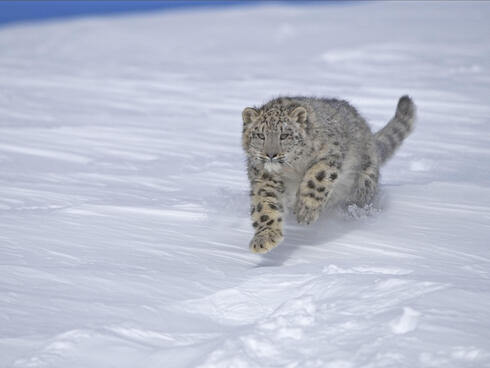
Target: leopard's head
x: 271, y: 136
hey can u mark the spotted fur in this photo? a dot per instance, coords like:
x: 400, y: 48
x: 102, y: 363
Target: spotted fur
x: 310, y: 153
x: 398, y: 128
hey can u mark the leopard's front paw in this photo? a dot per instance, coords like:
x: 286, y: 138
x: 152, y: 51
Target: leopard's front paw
x: 307, y: 212
x: 265, y: 241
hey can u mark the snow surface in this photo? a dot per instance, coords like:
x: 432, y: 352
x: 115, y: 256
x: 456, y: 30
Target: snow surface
x: 123, y: 200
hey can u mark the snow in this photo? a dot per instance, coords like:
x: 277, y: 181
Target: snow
x: 124, y: 202
x: 407, y: 322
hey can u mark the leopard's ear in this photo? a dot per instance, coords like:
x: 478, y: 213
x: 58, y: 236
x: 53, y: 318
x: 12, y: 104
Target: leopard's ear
x: 299, y: 115
x: 249, y: 115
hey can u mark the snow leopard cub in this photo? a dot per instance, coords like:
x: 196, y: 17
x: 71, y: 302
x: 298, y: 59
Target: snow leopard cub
x: 308, y: 153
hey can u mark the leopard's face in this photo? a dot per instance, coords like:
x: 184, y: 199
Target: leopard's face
x: 271, y: 137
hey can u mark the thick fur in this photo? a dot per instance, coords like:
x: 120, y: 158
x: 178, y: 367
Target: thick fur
x: 310, y: 153
x: 391, y: 136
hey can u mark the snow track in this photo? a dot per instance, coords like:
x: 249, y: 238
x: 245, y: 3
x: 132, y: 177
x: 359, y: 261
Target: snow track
x: 123, y: 197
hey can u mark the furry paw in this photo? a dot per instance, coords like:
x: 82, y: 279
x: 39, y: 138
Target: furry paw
x: 265, y: 241
x: 307, y: 213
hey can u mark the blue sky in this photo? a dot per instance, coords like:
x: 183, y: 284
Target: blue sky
x: 36, y: 10
x: 21, y: 11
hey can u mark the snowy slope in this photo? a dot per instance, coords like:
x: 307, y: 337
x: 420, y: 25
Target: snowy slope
x: 123, y: 197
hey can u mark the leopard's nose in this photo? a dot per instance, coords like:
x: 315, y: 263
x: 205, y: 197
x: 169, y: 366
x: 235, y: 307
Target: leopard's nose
x: 272, y: 156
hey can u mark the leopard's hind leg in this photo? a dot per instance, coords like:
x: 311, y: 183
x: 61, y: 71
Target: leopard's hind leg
x: 366, y: 182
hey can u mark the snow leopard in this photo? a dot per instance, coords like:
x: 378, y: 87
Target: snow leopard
x: 308, y: 154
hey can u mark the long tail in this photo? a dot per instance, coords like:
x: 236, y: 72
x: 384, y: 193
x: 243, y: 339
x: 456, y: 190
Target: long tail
x: 398, y: 128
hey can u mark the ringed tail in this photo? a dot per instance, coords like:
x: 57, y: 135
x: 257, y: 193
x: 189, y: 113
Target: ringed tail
x: 389, y: 138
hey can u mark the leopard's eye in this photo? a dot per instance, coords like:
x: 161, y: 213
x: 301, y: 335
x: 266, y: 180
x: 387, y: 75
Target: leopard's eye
x: 284, y: 136
x: 260, y: 136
